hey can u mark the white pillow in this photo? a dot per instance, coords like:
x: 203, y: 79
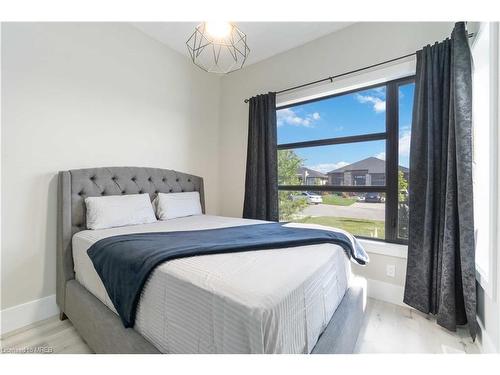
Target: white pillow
x: 119, y: 210
x: 173, y: 205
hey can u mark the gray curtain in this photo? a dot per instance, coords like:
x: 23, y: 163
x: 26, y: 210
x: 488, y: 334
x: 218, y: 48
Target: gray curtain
x: 440, y: 277
x: 261, y: 184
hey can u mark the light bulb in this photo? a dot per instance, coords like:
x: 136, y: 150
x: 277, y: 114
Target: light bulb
x: 218, y: 29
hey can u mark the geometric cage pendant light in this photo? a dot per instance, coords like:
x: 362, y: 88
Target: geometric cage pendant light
x: 218, y: 47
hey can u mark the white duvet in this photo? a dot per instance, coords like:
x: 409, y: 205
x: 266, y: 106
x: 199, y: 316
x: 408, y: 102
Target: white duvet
x: 267, y: 301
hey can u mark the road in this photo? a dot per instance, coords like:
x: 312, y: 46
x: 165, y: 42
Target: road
x: 358, y: 210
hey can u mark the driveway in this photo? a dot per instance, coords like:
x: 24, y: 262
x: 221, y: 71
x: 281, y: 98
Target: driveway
x: 358, y: 210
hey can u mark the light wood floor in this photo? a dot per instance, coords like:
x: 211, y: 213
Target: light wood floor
x: 395, y: 329
x: 387, y: 329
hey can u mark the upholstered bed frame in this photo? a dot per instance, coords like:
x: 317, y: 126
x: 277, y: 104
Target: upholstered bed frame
x: 96, y: 323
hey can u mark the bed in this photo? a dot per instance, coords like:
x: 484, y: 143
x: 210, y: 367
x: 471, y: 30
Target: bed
x: 302, y: 304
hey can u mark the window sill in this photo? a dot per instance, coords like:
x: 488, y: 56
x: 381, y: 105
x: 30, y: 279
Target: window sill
x: 484, y: 281
x: 385, y: 248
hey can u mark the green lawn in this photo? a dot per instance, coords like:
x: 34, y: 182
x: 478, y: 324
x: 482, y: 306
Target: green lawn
x: 337, y: 200
x: 360, y: 227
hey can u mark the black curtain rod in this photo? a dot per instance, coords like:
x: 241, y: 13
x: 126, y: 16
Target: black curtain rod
x: 347, y: 73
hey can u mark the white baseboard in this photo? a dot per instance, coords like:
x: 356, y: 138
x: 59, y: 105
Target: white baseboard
x: 386, y: 292
x: 28, y: 313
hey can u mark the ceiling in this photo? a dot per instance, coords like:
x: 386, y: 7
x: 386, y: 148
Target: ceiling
x: 265, y: 39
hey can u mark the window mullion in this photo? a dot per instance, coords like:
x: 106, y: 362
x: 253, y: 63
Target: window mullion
x: 334, y: 141
x: 391, y: 213
x: 334, y: 188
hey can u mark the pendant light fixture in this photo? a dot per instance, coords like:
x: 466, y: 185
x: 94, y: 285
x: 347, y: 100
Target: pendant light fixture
x: 218, y: 47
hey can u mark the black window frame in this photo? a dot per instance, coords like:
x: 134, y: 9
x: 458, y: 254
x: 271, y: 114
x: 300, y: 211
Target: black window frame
x: 391, y: 138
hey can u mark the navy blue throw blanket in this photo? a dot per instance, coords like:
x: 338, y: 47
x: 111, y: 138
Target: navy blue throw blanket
x: 124, y: 262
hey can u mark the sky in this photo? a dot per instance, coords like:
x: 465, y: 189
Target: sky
x: 352, y: 114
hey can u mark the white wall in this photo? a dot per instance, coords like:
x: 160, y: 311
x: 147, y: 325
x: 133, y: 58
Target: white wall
x: 354, y: 47
x: 82, y: 95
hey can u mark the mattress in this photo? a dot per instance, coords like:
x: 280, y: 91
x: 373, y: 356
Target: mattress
x: 266, y: 301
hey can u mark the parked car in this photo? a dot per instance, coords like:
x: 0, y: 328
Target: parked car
x: 374, y: 198
x: 311, y: 198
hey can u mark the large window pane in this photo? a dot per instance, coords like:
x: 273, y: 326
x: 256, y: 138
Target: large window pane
x: 362, y: 214
x: 331, y: 168
x: 405, y: 115
x: 352, y: 164
x: 358, y: 113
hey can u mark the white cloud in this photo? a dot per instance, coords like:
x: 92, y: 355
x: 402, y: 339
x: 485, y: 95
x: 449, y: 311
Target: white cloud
x: 327, y: 167
x: 288, y: 116
x: 404, y: 146
x: 379, y: 90
x: 378, y: 104
x: 404, y: 143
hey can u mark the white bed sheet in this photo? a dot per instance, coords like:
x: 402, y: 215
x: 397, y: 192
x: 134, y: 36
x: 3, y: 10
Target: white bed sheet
x: 267, y: 301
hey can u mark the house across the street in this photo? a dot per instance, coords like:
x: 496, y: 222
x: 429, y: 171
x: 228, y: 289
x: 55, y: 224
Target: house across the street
x: 366, y: 172
x: 309, y: 176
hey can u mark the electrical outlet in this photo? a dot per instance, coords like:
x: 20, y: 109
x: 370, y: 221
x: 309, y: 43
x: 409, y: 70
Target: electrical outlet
x: 391, y: 270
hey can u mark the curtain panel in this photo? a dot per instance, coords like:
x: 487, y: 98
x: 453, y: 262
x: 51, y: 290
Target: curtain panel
x: 261, y: 183
x: 440, y: 276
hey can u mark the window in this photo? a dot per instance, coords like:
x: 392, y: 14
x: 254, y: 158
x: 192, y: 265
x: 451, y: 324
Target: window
x: 405, y: 109
x: 343, y: 160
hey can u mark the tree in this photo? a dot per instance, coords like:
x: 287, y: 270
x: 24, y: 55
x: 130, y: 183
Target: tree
x: 403, y: 211
x: 402, y: 187
x: 288, y: 164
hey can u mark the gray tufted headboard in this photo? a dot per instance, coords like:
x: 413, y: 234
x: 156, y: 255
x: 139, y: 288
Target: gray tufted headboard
x: 75, y: 185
